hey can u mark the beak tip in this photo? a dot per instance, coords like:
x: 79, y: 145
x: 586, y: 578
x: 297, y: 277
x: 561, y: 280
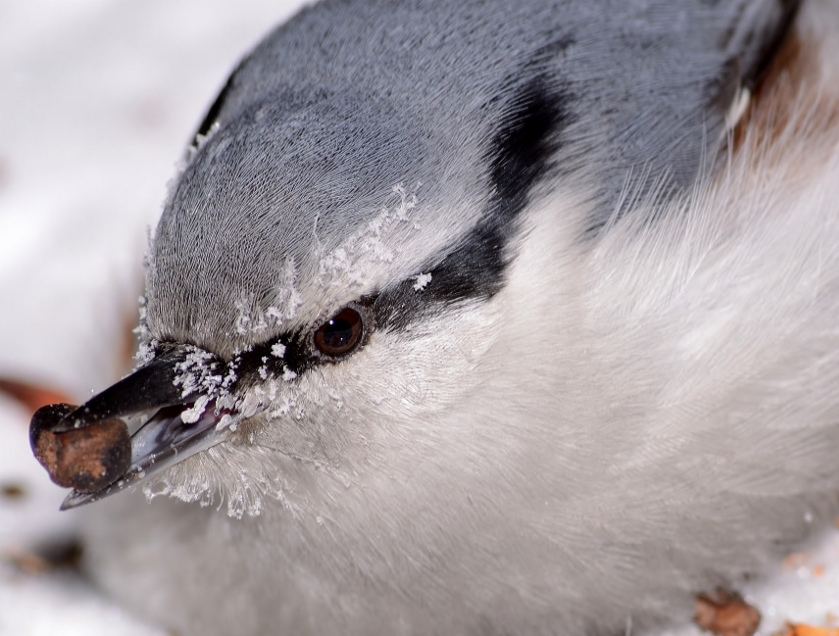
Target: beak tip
x: 76, y: 499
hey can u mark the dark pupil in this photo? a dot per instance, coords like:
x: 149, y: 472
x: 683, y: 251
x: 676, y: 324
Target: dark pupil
x: 340, y: 334
x: 337, y: 333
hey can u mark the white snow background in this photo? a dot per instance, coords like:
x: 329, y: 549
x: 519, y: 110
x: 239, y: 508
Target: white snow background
x: 98, y: 99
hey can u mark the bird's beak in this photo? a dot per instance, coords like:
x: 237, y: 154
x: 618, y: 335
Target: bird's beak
x: 168, y: 420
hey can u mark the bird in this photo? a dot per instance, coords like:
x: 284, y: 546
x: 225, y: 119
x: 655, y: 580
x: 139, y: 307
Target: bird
x: 469, y: 317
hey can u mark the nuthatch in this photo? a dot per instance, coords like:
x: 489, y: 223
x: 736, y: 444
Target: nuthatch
x: 470, y: 317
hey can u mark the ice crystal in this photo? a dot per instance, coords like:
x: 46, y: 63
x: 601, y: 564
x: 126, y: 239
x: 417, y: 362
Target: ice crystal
x: 421, y: 281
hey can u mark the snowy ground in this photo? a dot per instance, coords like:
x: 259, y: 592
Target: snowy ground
x: 97, y: 99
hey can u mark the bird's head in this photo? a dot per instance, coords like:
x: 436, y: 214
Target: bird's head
x: 319, y: 288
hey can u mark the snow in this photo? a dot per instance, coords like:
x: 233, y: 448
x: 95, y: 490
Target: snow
x: 61, y: 604
x: 192, y: 415
x: 350, y: 264
x: 98, y: 100
x: 422, y: 281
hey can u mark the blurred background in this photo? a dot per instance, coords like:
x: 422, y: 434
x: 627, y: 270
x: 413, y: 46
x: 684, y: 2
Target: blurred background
x: 98, y: 99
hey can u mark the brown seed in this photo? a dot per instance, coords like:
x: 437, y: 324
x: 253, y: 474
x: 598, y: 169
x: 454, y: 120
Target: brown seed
x: 87, y: 459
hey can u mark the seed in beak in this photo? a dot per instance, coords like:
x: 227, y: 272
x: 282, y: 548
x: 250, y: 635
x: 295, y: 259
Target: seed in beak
x: 87, y: 459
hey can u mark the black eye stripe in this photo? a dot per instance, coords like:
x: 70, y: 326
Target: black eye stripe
x: 337, y: 338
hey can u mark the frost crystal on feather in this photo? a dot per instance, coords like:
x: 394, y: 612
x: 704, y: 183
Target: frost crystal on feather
x: 148, y: 346
x: 345, y: 264
x: 191, y: 415
x: 146, y: 351
x: 422, y: 281
x: 249, y: 321
x: 244, y: 496
x: 253, y: 319
x: 201, y: 373
x: 407, y: 202
x: 288, y: 298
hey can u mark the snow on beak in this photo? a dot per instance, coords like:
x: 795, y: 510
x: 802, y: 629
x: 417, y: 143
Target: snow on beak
x: 177, y: 405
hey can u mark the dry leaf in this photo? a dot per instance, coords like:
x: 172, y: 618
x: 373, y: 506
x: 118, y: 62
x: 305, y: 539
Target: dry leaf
x: 31, y: 396
x: 726, y: 614
x: 809, y: 630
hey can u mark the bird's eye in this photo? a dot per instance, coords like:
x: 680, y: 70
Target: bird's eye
x: 341, y: 334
